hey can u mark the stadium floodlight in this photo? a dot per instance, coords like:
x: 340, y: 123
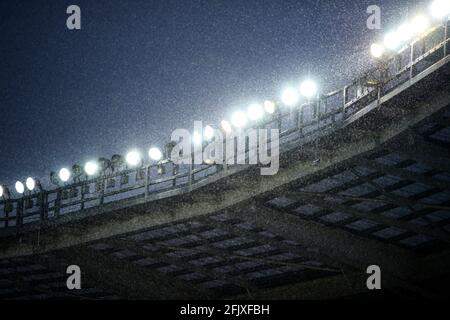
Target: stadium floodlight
x: 440, y: 8
x: 226, y: 126
x: 239, y: 119
x: 197, y: 138
x: 255, y: 112
x: 376, y: 50
x: 392, y: 40
x: 208, y: 133
x: 30, y: 183
x: 269, y: 106
x: 155, y: 154
x: 290, y: 97
x: 20, y: 188
x: 4, y: 192
x: 133, y: 158
x: 91, y: 168
x: 405, y: 32
x: 420, y: 24
x: 308, y: 89
x: 64, y: 174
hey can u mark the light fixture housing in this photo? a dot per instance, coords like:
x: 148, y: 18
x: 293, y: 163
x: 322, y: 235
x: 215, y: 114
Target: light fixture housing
x: 239, y: 119
x: 269, y: 106
x: 30, y: 183
x: 197, y: 138
x: 255, y: 112
x: 133, y: 158
x: 376, y: 50
x: 20, y: 188
x: 392, y: 40
x: 440, y: 9
x: 208, y: 133
x: 64, y: 174
x: 91, y: 168
x: 308, y: 88
x: 226, y: 126
x: 420, y: 24
x: 405, y: 32
x: 290, y: 97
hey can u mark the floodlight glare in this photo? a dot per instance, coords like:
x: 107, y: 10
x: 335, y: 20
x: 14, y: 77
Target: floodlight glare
x: 308, y: 88
x: 208, y: 133
x: 269, y: 106
x: 91, y: 168
x: 440, y: 8
x: 20, y: 188
x: 1, y: 191
x: 226, y: 126
x: 405, y: 32
x: 239, y: 119
x: 64, y: 174
x: 255, y: 112
x: 376, y: 50
x: 290, y: 97
x: 155, y: 154
x: 30, y: 183
x: 133, y: 158
x: 197, y: 138
x: 392, y: 40
x: 420, y: 24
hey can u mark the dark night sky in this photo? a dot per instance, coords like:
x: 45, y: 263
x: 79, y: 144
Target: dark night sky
x: 139, y: 69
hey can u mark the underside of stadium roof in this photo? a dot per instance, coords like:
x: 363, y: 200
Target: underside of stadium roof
x: 373, y: 192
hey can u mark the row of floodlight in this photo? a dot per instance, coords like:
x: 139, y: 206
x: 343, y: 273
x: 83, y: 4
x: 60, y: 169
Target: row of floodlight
x: 239, y: 119
x: 410, y: 30
x: 91, y: 168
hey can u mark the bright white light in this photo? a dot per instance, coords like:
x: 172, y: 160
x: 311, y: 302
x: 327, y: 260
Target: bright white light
x: 30, y: 183
x: 440, y: 8
x: 255, y: 112
x: 420, y: 24
x: 405, y: 32
x: 208, y: 133
x: 376, y: 50
x: 197, y: 138
x: 269, y: 106
x: 239, y: 119
x: 133, y: 158
x: 20, y: 188
x: 392, y: 40
x: 155, y: 154
x: 226, y: 126
x: 64, y: 174
x: 308, y: 88
x: 1, y: 191
x: 91, y: 168
x: 290, y: 97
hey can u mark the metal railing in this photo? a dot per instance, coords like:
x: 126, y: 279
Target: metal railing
x: 330, y: 111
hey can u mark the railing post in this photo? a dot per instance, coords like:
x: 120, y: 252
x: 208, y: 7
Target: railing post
x: 58, y: 203
x: 43, y: 198
x: 19, y: 214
